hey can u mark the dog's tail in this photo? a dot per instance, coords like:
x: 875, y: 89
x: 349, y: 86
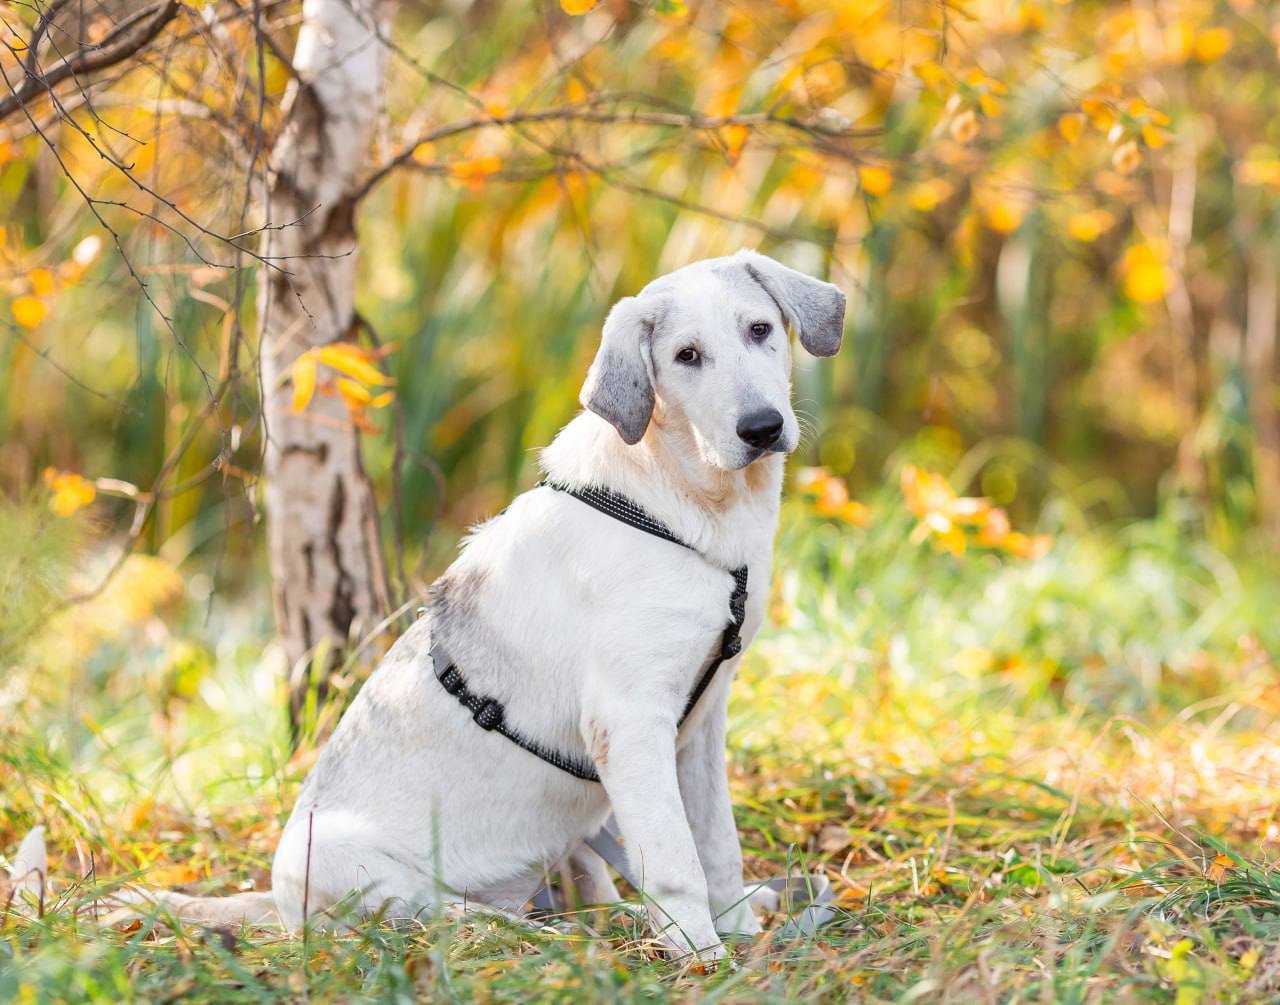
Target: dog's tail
x: 257, y: 909
x: 29, y: 882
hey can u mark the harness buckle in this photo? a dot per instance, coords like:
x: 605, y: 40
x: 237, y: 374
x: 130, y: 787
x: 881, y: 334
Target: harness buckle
x: 489, y: 714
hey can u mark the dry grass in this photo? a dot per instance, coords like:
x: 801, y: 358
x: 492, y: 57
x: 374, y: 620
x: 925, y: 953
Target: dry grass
x: 993, y: 831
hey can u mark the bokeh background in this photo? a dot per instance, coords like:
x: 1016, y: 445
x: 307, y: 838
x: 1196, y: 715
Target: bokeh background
x: 1031, y: 531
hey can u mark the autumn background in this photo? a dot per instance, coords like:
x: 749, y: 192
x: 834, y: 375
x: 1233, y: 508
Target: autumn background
x: 1018, y: 692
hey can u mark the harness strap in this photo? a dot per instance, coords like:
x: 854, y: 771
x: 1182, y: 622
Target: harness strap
x: 489, y: 713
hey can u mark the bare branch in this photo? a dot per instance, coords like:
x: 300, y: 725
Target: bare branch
x: 593, y: 114
x: 130, y: 36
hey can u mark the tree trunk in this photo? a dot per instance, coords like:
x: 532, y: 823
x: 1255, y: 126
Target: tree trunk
x: 328, y: 573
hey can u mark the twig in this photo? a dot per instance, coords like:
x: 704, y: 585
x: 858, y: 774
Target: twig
x: 130, y: 36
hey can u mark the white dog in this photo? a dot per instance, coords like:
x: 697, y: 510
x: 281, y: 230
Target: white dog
x: 584, y: 636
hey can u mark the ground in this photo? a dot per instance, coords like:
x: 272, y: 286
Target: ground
x: 1045, y: 778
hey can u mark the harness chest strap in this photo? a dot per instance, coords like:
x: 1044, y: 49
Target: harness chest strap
x: 489, y: 713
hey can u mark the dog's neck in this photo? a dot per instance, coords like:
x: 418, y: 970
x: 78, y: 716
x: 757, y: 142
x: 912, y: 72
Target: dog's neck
x: 730, y: 516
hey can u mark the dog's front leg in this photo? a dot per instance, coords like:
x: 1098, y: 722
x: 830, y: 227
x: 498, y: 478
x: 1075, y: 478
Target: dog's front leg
x: 635, y: 753
x: 704, y: 785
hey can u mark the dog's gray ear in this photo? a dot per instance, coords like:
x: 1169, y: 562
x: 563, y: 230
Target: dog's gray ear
x: 619, y: 385
x: 813, y: 308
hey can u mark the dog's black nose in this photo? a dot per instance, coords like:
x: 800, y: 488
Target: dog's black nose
x: 760, y: 429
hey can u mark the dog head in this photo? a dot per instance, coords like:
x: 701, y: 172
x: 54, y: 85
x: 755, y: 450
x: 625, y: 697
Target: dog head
x: 707, y: 345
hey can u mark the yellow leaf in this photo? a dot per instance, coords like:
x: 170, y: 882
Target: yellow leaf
x: 1219, y: 868
x: 41, y: 282
x: 933, y: 75
x: 474, y: 172
x: 71, y: 492
x: 424, y: 153
x: 497, y: 109
x: 735, y: 138
x: 876, y: 180
x: 356, y: 395
x: 303, y: 375
x: 1259, y: 171
x: 1145, y: 274
x: 1030, y: 18
x: 382, y: 400
x: 1088, y: 226
x: 354, y: 362
x: 1071, y: 126
x: 1154, y: 137
x: 990, y: 105
x: 136, y: 816
x: 1212, y: 44
x: 172, y: 875
x: 723, y: 103
x: 928, y: 195
x: 1099, y: 112
x: 576, y: 8
x: 28, y: 311
x: 1002, y: 214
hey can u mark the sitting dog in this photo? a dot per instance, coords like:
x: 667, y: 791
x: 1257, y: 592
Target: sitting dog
x: 559, y: 673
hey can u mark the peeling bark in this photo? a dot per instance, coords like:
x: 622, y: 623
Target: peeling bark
x: 328, y: 573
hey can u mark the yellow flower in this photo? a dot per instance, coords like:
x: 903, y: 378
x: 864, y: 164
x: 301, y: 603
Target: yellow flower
x: 576, y: 8
x: 831, y: 497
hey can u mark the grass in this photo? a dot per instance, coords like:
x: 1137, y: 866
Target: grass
x: 1029, y: 781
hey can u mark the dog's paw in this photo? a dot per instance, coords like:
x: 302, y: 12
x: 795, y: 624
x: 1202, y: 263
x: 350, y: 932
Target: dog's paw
x: 705, y: 961
x: 738, y: 919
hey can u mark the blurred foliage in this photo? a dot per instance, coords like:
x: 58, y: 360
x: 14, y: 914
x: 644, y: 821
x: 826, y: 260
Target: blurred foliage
x: 1056, y: 222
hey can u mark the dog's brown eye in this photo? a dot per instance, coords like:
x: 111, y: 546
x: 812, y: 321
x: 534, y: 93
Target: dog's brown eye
x: 760, y: 329
x: 688, y: 356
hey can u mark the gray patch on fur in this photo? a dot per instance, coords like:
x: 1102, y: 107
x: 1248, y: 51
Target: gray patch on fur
x: 458, y: 624
x: 815, y: 309
x: 618, y: 387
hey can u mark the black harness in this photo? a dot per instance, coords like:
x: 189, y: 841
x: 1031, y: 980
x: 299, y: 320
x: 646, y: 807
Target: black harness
x: 489, y: 713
